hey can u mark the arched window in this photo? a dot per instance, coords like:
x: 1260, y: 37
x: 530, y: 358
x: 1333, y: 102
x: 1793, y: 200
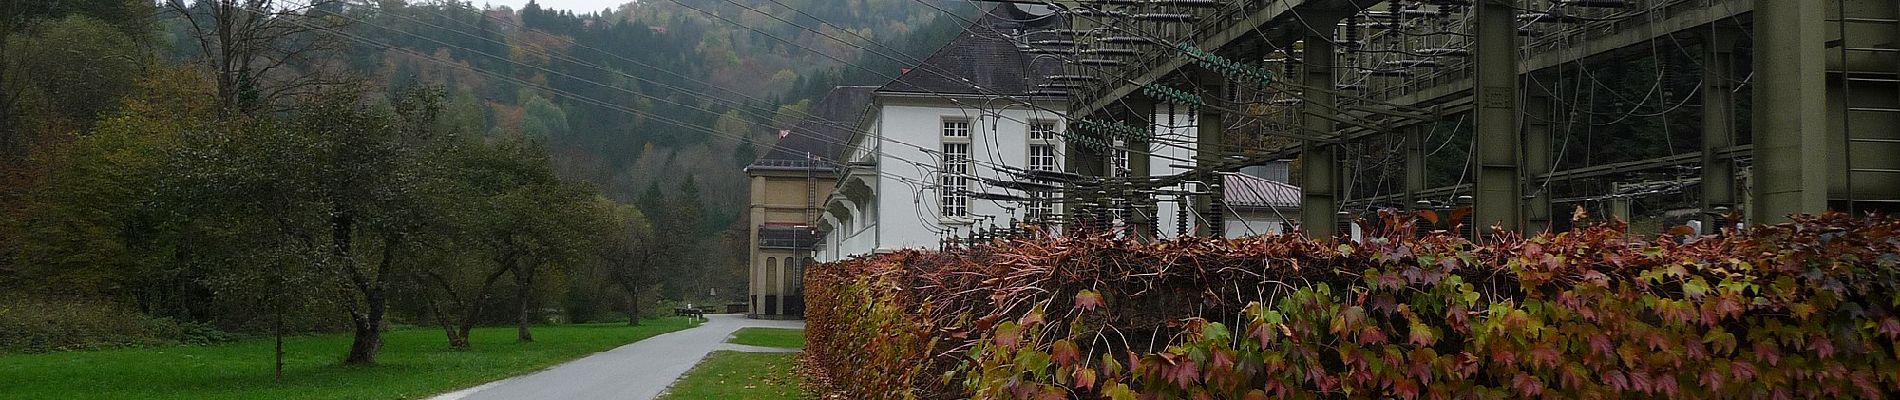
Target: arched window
x: 771, y: 275
x: 798, y: 274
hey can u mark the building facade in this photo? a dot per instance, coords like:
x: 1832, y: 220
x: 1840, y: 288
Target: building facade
x: 943, y: 151
x: 788, y: 187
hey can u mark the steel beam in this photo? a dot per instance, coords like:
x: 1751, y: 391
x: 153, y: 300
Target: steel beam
x: 1718, y: 124
x: 1790, y: 122
x: 1085, y: 161
x: 1140, y: 113
x: 1537, y: 159
x: 1414, y: 165
x: 1498, y: 185
x: 1209, y: 140
x: 1319, y: 162
x: 1277, y: 21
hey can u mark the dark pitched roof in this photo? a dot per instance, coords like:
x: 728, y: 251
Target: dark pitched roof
x: 823, y: 134
x: 988, y: 57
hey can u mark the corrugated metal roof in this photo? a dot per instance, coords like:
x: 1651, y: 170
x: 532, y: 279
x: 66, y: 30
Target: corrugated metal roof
x: 1248, y: 191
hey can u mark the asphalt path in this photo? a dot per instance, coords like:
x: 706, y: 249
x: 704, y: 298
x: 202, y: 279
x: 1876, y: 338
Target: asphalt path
x: 637, y: 371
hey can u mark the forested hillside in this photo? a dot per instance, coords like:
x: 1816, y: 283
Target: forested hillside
x: 180, y: 170
x: 660, y: 85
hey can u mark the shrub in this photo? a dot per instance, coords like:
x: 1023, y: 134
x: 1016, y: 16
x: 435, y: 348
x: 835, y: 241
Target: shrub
x: 1804, y: 309
x: 31, y: 324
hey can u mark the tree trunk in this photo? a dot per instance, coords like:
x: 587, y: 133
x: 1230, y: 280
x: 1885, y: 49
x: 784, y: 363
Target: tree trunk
x: 633, y: 306
x: 365, y: 341
x: 524, y: 285
x: 367, y: 335
x: 456, y: 341
x: 277, y: 333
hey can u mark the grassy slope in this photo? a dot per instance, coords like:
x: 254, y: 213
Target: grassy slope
x: 414, y: 363
x: 770, y: 337
x: 738, y: 375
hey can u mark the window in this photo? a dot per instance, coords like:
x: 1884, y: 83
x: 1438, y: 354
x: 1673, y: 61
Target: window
x: 771, y: 275
x: 1118, y: 157
x: 1042, y: 131
x: 956, y: 128
x: 954, y: 181
x: 1042, y: 157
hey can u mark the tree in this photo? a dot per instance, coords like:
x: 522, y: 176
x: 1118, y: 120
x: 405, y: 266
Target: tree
x: 354, y: 189
x: 553, y: 227
x: 542, y: 119
x: 66, y: 73
x: 630, y: 252
x: 262, y: 50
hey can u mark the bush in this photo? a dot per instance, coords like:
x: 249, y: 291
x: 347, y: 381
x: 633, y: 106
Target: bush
x: 29, y: 324
x: 34, y: 324
x: 1805, y: 309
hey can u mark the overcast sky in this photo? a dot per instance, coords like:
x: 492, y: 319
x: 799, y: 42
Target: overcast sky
x: 572, y: 5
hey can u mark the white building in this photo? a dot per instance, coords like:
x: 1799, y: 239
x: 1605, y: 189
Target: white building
x: 1259, y: 200
x: 941, y: 150
x: 927, y: 160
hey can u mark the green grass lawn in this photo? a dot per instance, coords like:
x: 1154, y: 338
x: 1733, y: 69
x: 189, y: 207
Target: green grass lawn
x: 414, y: 363
x: 739, y: 375
x: 770, y: 337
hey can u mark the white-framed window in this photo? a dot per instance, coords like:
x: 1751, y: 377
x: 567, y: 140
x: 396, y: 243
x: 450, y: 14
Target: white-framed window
x: 954, y: 183
x: 1042, y: 157
x: 956, y: 128
x: 1118, y: 157
x: 1042, y: 131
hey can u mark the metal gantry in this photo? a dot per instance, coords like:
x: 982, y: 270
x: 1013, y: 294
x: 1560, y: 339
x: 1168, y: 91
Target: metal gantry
x: 1800, y: 118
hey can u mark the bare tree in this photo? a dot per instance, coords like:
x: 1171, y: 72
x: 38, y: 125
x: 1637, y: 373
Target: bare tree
x: 263, y: 50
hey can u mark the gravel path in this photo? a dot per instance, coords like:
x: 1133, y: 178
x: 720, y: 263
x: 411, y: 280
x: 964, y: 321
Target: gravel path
x: 638, y: 371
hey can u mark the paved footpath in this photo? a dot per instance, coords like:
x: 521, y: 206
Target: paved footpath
x: 638, y: 371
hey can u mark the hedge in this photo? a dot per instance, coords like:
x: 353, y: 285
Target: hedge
x: 1798, y: 310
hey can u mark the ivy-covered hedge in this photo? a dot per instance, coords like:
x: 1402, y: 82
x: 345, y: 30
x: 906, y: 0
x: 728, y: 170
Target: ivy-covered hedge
x: 1798, y: 310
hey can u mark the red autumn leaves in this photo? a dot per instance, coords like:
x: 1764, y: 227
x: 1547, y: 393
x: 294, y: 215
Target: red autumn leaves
x: 1796, y: 310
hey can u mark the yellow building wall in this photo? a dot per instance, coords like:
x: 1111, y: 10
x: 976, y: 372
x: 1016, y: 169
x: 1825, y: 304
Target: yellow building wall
x: 779, y: 197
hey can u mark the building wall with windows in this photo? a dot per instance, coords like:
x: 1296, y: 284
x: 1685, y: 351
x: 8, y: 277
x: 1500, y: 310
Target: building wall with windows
x: 931, y: 157
x: 789, y: 185
x: 926, y: 159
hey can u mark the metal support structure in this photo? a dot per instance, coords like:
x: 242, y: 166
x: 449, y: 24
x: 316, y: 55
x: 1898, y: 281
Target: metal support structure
x: 1210, y: 138
x: 1140, y: 218
x: 1498, y: 192
x: 1718, y: 125
x: 1319, y: 162
x: 1538, y: 119
x: 1415, y: 165
x: 1791, y: 138
x: 1619, y: 205
x: 1085, y: 161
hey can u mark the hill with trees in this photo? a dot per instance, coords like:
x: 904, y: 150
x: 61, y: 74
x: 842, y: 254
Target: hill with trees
x: 194, y: 170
